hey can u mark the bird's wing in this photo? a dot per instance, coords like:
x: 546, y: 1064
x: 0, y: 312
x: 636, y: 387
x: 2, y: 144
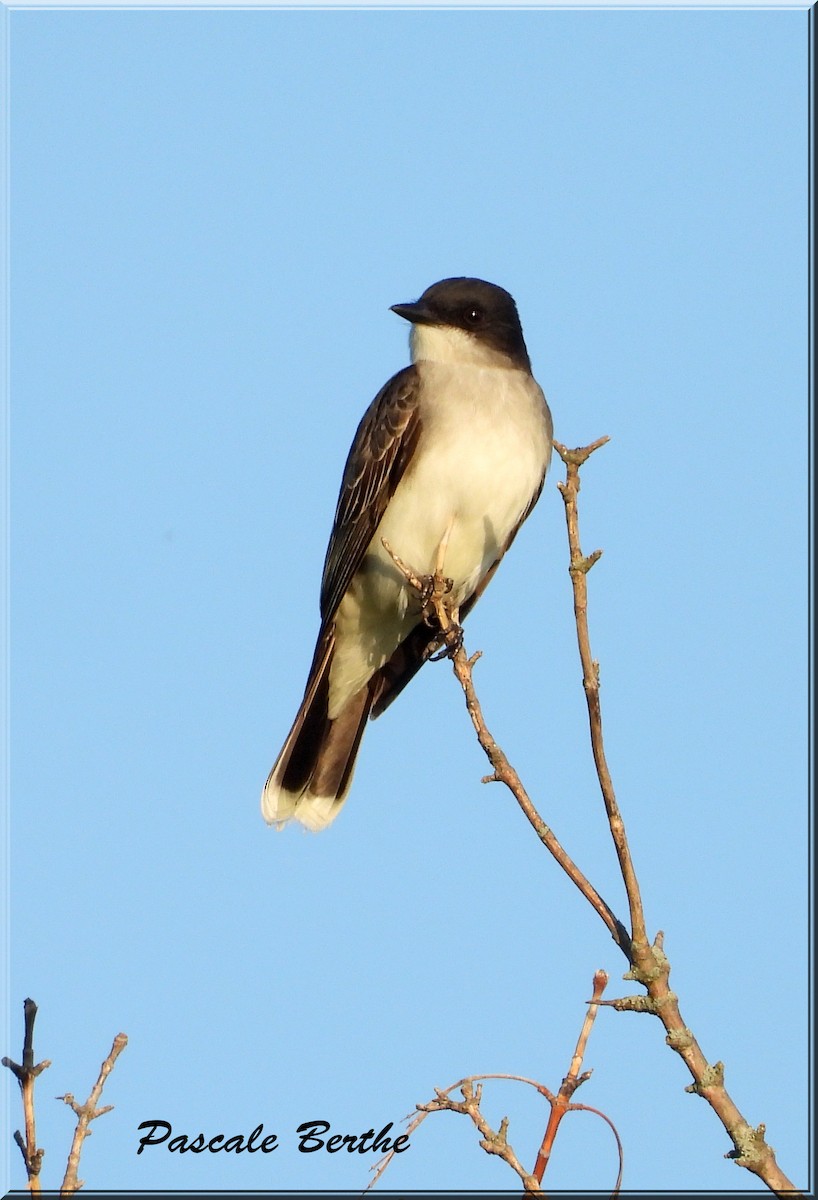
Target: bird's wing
x: 381, y: 451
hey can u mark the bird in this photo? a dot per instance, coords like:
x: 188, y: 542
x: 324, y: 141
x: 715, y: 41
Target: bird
x: 447, y: 463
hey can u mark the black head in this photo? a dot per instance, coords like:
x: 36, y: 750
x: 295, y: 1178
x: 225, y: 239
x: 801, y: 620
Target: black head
x: 485, y: 311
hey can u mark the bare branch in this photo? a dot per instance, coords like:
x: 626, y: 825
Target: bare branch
x: 578, y: 570
x: 86, y: 1113
x: 561, y: 1103
x: 648, y: 963
x: 496, y: 1142
x: 619, y: 1148
x: 25, y: 1075
x: 422, y: 1111
x: 434, y: 591
x: 493, y: 1142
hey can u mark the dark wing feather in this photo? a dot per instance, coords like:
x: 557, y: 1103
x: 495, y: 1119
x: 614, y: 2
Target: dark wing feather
x: 382, y: 448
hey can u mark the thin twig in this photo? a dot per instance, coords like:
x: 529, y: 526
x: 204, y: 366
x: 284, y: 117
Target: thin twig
x: 444, y: 1102
x: 578, y: 570
x: 648, y: 963
x: 561, y: 1103
x: 492, y: 1141
x: 619, y: 1147
x: 86, y: 1113
x: 25, y: 1075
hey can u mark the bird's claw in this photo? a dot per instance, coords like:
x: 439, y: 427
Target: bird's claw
x: 433, y: 587
x: 447, y: 644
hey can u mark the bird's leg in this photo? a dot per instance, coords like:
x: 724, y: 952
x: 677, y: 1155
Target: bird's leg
x: 433, y: 588
x: 433, y: 591
x: 440, y: 557
x: 422, y: 584
x: 445, y: 614
x: 437, y: 585
x: 430, y: 588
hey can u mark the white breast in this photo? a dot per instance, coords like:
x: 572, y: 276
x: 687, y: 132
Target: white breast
x: 484, y: 446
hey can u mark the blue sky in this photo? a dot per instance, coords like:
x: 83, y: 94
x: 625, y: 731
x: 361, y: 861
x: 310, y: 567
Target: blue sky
x: 211, y: 212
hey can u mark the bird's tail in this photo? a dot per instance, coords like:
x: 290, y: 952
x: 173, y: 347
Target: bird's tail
x: 312, y: 774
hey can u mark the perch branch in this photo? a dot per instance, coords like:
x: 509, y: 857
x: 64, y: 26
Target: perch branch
x: 434, y: 591
x: 648, y: 963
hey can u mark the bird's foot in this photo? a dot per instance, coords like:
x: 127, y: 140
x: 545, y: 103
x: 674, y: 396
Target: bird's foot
x: 437, y: 607
x: 431, y: 592
x: 447, y: 644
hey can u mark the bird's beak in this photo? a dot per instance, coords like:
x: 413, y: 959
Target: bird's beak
x: 417, y: 313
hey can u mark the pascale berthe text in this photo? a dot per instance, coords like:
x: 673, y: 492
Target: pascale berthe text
x: 312, y: 1136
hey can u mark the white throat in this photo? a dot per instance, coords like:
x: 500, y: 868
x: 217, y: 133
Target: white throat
x: 447, y: 344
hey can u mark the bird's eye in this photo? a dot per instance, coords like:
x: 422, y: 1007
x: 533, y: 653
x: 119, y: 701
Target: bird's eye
x: 473, y: 315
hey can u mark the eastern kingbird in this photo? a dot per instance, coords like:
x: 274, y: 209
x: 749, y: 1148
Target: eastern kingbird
x: 453, y: 450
